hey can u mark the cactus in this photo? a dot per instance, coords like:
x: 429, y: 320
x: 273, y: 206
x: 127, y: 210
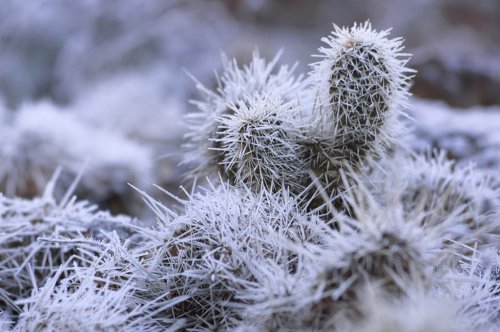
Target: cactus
x: 346, y: 117
x: 236, y: 86
x: 430, y: 184
x: 218, y: 247
x: 367, y: 82
x: 259, y: 145
x: 358, y: 91
x: 361, y: 84
x: 82, y: 304
x: 42, y: 136
x: 27, y: 262
x: 254, y: 250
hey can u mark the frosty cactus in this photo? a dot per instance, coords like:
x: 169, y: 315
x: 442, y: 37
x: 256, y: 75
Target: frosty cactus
x: 358, y: 89
x: 85, y: 304
x: 237, y: 88
x: 357, y: 92
x: 259, y: 144
x: 212, y: 253
x: 255, y: 250
x: 40, y: 137
x: 26, y: 262
x: 337, y: 127
x: 361, y: 83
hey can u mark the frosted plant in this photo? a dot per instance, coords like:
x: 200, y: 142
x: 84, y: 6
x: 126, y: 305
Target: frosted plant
x: 413, y: 246
x: 395, y: 238
x: 280, y: 298
x: 27, y: 165
x: 453, y: 302
x: 361, y: 85
x: 42, y: 137
x: 357, y: 91
x: 213, y: 251
x: 235, y: 87
x: 5, y: 321
x: 444, y: 187
x: 420, y: 311
x: 433, y: 185
x: 84, y: 303
x: 27, y: 262
x: 381, y: 247
x: 126, y: 104
x: 259, y: 144
x: 124, y: 265
x: 475, y: 287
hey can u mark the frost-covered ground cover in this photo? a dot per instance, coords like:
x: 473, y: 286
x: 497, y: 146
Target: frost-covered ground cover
x: 322, y: 204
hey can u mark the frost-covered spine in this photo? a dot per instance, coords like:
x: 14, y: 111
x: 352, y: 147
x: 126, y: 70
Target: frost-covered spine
x: 361, y: 84
x: 247, y: 129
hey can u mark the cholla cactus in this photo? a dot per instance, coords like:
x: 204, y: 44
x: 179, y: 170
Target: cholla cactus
x: 25, y: 261
x: 382, y: 248
x: 359, y: 89
x: 236, y: 87
x: 125, y: 106
x: 84, y: 303
x: 42, y: 137
x: 361, y: 84
x: 252, y: 252
x: 474, y: 287
x: 385, y: 245
x: 219, y: 246
x: 434, y: 186
x: 444, y: 187
x: 259, y: 144
x: 401, y: 242
x: 420, y: 311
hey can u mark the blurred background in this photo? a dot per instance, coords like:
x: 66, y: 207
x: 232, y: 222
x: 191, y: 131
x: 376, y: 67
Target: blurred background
x: 100, y: 88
